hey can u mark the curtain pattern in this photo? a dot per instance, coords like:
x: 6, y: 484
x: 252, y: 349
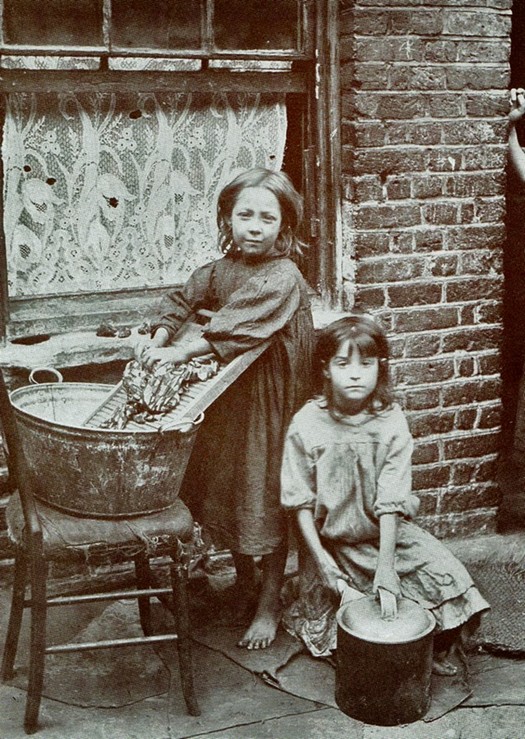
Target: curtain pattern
x: 106, y: 191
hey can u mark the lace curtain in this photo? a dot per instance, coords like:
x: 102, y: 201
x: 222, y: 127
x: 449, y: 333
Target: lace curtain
x: 114, y: 191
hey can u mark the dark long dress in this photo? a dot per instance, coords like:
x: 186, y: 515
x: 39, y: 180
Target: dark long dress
x: 232, y: 481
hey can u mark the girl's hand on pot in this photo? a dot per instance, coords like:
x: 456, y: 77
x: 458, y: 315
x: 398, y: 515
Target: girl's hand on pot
x: 388, y: 579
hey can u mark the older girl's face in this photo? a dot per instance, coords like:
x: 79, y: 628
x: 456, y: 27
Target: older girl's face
x: 256, y: 221
x: 352, y: 378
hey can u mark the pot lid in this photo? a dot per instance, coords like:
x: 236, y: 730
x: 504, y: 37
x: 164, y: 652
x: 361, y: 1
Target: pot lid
x: 362, y: 619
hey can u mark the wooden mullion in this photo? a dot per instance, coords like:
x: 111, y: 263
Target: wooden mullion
x: 4, y: 291
x: 327, y: 119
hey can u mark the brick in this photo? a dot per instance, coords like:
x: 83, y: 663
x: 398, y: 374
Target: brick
x: 365, y: 134
x: 371, y: 244
x: 421, y: 78
x: 387, y: 216
x: 430, y: 424
x: 389, y: 270
x: 467, y: 315
x: 471, y: 445
x: 467, y: 185
x: 419, y: 372
x: 489, y: 312
x: 466, y: 418
x: 424, y: 399
x: 386, y: 161
x: 398, y: 188
x: 465, y: 366
x: 420, y: 134
x: 444, y: 265
x: 440, y: 50
x: 421, y: 346
x: 476, y: 236
x: 463, y: 524
x: 428, y: 478
x: 415, y: 21
x: 369, y: 22
x: 396, y: 105
x: 426, y: 319
x: 445, y: 105
x: 473, y: 470
x: 365, y: 76
x: 471, y: 498
x: 487, y: 105
x: 402, y: 296
x: 401, y: 242
x: 471, y: 391
x: 427, y: 503
x: 482, y: 263
x: 480, y: 51
x: 425, y: 452
x: 370, y: 298
x: 476, y: 77
x: 490, y: 417
x: 472, y: 23
x: 442, y: 213
x: 490, y: 365
x: 428, y: 186
x: 490, y: 211
x: 474, y: 289
x: 429, y: 239
x: 470, y: 339
x: 367, y: 188
x: 471, y: 132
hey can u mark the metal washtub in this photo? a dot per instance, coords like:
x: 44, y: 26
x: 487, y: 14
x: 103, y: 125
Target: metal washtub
x: 97, y: 472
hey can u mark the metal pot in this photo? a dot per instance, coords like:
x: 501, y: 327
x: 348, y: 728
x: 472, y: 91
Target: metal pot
x: 384, y: 667
x: 96, y: 472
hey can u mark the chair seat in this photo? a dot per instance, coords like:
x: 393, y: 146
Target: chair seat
x: 65, y: 535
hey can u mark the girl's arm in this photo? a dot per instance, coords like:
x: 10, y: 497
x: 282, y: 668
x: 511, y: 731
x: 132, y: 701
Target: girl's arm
x: 516, y: 154
x: 386, y: 576
x: 329, y: 571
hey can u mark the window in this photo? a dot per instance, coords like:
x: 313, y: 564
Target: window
x: 132, y: 118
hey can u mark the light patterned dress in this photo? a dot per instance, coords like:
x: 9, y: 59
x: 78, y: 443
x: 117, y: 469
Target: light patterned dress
x: 232, y: 481
x: 349, y: 471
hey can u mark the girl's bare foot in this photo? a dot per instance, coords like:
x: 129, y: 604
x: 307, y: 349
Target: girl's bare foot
x: 261, y: 632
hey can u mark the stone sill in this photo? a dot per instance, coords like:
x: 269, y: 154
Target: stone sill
x: 83, y: 348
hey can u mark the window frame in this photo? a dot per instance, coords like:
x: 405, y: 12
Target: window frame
x: 316, y: 80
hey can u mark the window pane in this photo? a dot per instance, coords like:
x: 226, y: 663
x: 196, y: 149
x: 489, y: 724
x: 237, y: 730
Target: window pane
x: 53, y: 22
x: 256, y: 24
x: 164, y: 24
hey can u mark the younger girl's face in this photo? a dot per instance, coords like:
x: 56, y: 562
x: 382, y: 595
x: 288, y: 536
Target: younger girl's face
x: 352, y: 377
x: 256, y: 221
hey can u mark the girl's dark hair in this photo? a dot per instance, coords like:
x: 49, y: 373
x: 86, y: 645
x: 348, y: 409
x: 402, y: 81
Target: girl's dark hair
x: 371, y: 340
x: 290, y: 201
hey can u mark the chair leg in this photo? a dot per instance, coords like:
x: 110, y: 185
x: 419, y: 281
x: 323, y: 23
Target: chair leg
x: 179, y: 579
x: 15, y: 616
x: 38, y: 643
x: 143, y: 579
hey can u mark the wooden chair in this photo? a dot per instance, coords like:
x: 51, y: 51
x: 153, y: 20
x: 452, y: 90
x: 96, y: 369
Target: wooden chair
x: 43, y: 535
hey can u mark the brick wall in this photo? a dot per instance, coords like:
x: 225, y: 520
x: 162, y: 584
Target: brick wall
x: 424, y: 105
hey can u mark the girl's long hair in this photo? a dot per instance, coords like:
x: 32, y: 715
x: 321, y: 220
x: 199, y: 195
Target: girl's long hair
x: 290, y: 201
x: 370, y: 338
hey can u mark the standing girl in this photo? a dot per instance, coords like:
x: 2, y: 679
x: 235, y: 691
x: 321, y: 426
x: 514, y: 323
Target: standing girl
x: 257, y: 293
x: 346, y: 476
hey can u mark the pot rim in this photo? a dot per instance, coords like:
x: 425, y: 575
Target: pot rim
x: 95, y: 432
x: 344, y: 627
